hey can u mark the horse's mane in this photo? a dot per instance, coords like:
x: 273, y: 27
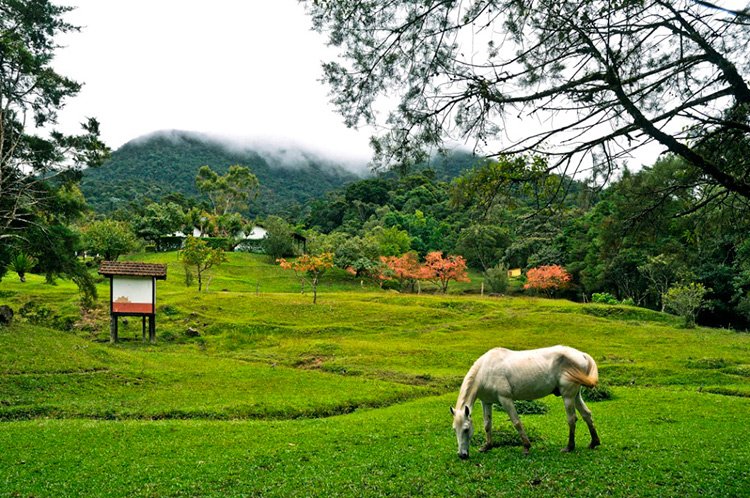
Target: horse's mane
x: 468, y: 392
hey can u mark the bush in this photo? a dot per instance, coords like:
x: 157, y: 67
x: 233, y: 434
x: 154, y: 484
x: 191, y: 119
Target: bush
x: 598, y: 393
x: 150, y: 248
x: 497, y: 278
x: 169, y: 243
x: 223, y: 243
x: 604, y: 298
x: 532, y: 407
x: 21, y: 264
x: 41, y: 314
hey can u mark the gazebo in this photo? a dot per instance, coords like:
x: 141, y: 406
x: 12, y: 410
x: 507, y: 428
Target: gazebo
x: 132, y: 292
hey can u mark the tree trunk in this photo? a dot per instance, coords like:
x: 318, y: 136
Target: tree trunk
x: 200, y: 281
x: 315, y: 289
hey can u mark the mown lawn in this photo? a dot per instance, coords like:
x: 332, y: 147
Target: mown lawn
x: 278, y: 397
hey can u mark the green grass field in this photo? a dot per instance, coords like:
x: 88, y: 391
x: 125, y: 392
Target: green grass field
x: 279, y: 397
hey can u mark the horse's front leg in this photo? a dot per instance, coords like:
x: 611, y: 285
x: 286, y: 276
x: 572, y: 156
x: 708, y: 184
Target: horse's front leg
x: 510, y: 408
x: 487, y: 412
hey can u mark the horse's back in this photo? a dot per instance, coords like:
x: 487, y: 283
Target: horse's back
x: 527, y: 374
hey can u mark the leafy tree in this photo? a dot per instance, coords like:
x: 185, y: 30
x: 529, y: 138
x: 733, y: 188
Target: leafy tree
x: 310, y: 266
x: 21, y: 264
x: 38, y: 165
x: 497, y: 278
x: 660, y: 273
x: 442, y: 270
x: 615, y: 76
x: 228, y: 193
x: 108, y: 238
x: 361, y: 254
x: 483, y: 245
x: 278, y: 242
x: 391, y: 241
x: 199, y: 256
x: 686, y: 301
x: 31, y: 94
x: 160, y: 220
x: 547, y: 279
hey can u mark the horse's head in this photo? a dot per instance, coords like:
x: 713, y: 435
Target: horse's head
x: 464, y: 430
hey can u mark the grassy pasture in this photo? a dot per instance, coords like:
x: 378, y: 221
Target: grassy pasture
x: 278, y: 397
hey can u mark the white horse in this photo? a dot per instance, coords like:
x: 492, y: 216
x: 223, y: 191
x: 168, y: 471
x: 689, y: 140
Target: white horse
x: 501, y: 376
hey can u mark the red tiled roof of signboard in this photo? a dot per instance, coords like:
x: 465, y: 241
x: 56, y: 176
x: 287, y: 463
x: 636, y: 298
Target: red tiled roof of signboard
x: 133, y: 269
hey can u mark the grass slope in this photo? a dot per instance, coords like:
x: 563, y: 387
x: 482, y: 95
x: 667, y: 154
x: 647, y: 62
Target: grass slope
x: 278, y: 397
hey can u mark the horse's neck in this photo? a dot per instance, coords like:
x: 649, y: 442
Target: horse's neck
x: 468, y: 393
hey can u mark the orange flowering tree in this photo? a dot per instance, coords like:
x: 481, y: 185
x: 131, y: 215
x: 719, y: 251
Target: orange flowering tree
x: 442, y: 270
x: 308, y: 266
x: 406, y: 269
x: 547, y: 279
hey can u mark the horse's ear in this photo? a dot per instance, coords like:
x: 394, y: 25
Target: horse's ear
x: 466, y: 411
x: 453, y: 412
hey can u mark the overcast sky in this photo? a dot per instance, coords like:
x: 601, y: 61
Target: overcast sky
x: 247, y: 70
x: 243, y: 69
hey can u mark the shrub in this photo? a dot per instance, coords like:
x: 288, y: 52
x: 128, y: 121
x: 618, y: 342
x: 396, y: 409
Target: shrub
x: 531, y: 407
x: 598, y: 393
x: 604, y: 298
x: 497, y: 278
x: 21, y: 264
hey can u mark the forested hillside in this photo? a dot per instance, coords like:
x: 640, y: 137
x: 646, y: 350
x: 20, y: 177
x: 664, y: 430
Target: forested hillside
x: 165, y: 163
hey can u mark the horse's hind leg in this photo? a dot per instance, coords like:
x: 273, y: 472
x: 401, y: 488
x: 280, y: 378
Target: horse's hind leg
x: 516, y: 420
x: 570, y: 411
x: 487, y: 412
x: 586, y: 414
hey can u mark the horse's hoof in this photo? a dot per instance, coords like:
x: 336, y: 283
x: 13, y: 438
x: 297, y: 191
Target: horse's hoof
x: 525, y: 451
x: 567, y: 449
x: 594, y: 444
x: 485, y: 448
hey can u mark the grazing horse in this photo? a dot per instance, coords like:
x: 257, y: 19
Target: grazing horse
x: 501, y: 376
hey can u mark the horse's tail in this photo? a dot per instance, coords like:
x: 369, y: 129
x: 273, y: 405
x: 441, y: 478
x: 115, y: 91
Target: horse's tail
x: 589, y: 378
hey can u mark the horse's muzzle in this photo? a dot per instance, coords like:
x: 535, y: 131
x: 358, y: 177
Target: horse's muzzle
x: 463, y: 456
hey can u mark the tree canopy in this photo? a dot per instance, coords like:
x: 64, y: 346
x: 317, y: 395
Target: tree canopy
x: 599, y: 79
x: 31, y: 94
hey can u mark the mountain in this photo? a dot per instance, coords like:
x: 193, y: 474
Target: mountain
x: 153, y: 166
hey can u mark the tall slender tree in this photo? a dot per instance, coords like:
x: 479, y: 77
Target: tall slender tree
x: 36, y: 161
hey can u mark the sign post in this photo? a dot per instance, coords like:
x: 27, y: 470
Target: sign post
x: 132, y: 292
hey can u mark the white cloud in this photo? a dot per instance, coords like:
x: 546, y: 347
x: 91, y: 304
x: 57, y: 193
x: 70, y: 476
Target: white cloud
x: 228, y: 68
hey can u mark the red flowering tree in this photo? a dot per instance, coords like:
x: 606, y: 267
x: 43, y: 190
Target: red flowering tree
x: 547, y: 279
x: 442, y: 270
x: 406, y: 269
x: 308, y: 266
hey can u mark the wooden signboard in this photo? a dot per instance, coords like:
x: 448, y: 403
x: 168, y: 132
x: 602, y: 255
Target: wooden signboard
x: 132, y: 292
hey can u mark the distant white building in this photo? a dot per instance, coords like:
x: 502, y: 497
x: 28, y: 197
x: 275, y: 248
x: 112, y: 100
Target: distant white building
x: 257, y: 233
